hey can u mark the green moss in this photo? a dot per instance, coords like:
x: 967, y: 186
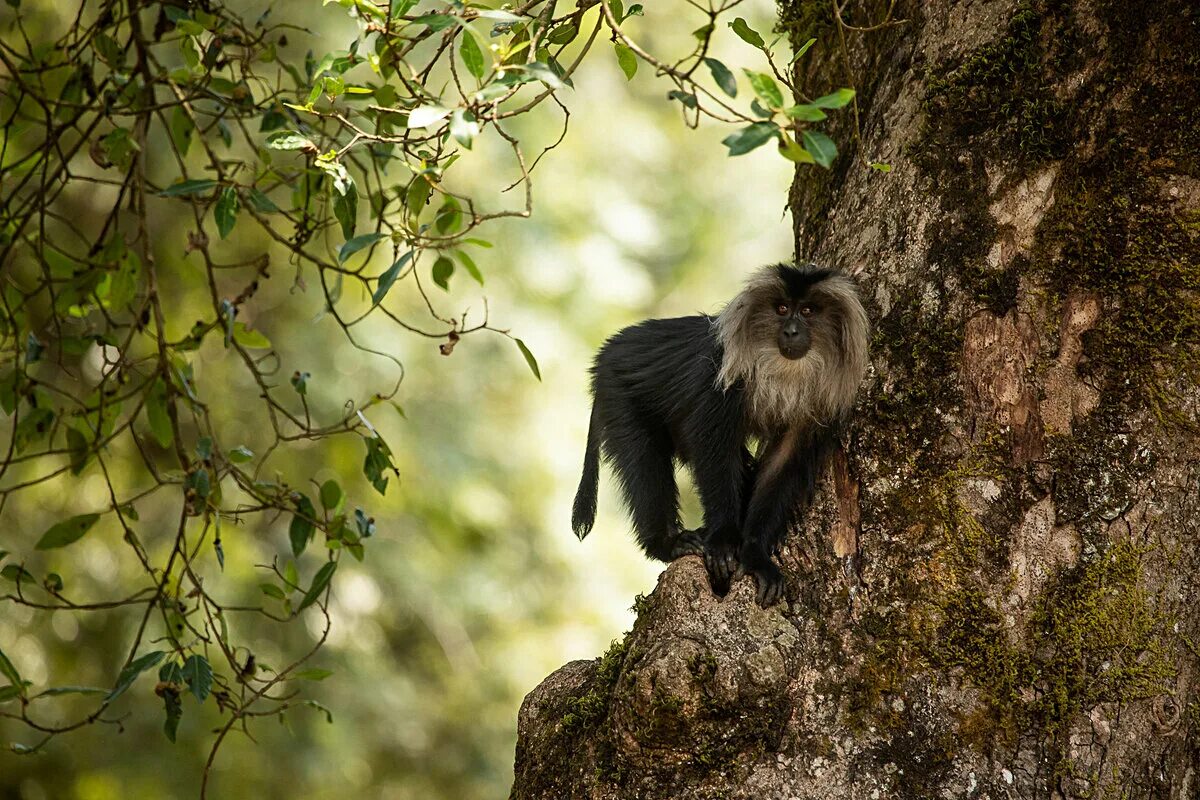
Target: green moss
x: 1000, y: 96
x: 1094, y: 634
x: 591, y: 707
x: 1140, y: 252
x: 1100, y: 634
x: 703, y: 667
x: 641, y: 604
x: 802, y: 20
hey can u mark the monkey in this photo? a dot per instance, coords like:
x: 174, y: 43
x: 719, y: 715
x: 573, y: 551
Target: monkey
x: 780, y: 364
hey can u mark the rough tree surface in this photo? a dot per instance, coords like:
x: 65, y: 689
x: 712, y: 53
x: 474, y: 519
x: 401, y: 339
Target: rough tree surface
x: 998, y: 593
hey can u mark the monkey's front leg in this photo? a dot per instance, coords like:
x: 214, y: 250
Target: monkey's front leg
x: 776, y: 495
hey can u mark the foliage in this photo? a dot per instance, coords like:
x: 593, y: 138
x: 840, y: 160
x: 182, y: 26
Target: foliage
x: 141, y: 116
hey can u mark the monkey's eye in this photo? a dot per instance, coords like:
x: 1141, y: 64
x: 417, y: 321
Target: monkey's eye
x: 806, y: 311
x: 781, y: 309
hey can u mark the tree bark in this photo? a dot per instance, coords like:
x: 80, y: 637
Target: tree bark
x: 997, y: 593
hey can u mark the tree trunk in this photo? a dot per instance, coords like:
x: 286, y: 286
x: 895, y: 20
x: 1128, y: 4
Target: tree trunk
x: 997, y: 594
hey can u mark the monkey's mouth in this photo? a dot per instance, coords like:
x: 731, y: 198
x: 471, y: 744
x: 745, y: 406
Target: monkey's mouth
x: 793, y: 353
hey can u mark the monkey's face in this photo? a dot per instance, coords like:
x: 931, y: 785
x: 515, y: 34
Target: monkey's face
x: 797, y: 338
x: 794, y: 336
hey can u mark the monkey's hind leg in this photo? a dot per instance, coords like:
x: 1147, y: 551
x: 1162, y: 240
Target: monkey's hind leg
x: 644, y: 468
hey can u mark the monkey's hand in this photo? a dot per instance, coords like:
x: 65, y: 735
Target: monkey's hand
x: 721, y: 560
x: 688, y: 543
x: 766, y: 575
x: 770, y: 584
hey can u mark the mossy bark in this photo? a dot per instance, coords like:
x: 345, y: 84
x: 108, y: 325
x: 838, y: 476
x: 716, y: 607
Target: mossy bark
x: 997, y: 594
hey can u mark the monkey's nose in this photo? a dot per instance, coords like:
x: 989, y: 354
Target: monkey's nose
x: 793, y: 340
x: 793, y: 333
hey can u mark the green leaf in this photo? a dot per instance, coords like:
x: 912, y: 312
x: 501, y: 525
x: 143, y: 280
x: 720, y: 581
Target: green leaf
x: 185, y: 188
x: 389, y: 277
x: 290, y: 140
x: 313, y: 674
x: 687, y: 98
x: 271, y: 590
x: 260, y: 202
x: 436, y: 22
x: 241, y: 454
x: 463, y: 127
x: 426, y: 115
x: 563, y: 34
x: 546, y: 74
x: 157, y: 415
x: 226, y: 211
x: 199, y: 482
x: 181, y: 129
x: 358, y: 243
x: 77, y: 445
x: 345, y: 209
x: 9, y: 671
x: 173, y: 706
x: 881, y: 166
x: 198, y: 674
x: 836, y: 100
x: 250, y: 338
x: 443, y: 268
x: 472, y: 56
x: 722, y: 76
x: 803, y: 49
x: 449, y: 216
x: 765, y: 87
x: 792, y: 151
x: 132, y: 671
x: 823, y: 150
x: 470, y: 266
x: 331, y: 494
x: 12, y: 692
x: 16, y: 573
x: 627, y: 59
x: 378, y: 459
x: 111, y: 52
x: 67, y: 531
x: 747, y: 34
x: 417, y: 195
x: 497, y: 15
x: 300, y: 382
x: 751, y: 137
x: 319, y: 584
x: 529, y: 359
x: 805, y: 112
x: 301, y: 530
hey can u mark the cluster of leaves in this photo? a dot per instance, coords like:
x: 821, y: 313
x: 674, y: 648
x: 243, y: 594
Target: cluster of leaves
x: 167, y: 133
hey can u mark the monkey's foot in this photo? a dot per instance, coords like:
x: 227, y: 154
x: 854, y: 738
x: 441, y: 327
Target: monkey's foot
x: 770, y: 583
x: 721, y: 562
x: 688, y: 543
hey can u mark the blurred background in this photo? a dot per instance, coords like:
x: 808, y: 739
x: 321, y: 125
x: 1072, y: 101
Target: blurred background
x: 474, y: 588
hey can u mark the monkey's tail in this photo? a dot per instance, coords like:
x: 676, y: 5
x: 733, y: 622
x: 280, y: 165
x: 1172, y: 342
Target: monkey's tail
x: 583, y: 516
